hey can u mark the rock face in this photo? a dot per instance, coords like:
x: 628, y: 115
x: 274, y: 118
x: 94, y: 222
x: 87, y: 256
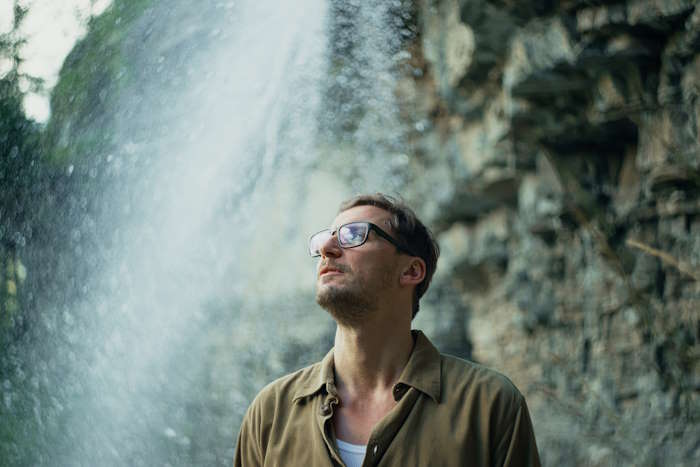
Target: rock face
x: 558, y: 150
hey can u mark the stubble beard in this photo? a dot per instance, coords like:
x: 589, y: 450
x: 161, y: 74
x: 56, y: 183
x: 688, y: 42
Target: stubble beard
x: 348, y: 307
x: 351, y: 304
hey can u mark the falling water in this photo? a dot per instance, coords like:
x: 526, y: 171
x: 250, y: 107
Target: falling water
x: 245, y: 124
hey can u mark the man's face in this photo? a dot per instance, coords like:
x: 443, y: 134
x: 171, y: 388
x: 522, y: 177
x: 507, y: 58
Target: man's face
x: 352, y: 282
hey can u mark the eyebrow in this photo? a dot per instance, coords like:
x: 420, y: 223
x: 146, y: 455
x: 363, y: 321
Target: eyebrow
x: 335, y: 227
x: 385, y: 222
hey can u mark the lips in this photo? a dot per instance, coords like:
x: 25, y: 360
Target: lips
x: 329, y: 269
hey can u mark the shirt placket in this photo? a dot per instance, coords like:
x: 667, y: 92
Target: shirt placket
x: 326, y: 404
x: 386, y: 429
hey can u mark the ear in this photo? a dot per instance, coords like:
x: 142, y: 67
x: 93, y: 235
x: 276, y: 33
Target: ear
x: 413, y: 273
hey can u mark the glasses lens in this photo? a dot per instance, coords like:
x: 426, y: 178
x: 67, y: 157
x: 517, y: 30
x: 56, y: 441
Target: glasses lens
x: 317, y: 240
x: 353, y: 234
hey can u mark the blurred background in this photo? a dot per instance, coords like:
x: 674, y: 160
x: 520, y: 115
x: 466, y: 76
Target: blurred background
x: 163, y: 163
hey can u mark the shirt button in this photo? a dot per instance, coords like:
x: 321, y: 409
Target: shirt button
x: 325, y: 409
x: 398, y: 391
x: 375, y: 449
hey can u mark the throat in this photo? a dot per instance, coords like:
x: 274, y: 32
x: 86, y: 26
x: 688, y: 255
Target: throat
x: 354, y: 421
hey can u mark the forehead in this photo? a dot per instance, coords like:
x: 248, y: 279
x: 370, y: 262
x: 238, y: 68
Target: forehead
x: 371, y: 214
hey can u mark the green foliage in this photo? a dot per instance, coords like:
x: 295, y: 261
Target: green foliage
x: 35, y: 200
x: 19, y: 147
x: 19, y: 173
x: 91, y: 81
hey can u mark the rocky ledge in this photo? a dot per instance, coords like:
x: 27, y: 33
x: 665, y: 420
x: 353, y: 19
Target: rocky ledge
x: 557, y: 154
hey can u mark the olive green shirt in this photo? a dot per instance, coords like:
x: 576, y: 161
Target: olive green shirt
x: 449, y: 412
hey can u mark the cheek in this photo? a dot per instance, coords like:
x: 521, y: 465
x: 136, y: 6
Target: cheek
x: 386, y: 274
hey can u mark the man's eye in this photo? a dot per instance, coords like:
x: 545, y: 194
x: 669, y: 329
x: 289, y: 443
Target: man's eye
x: 352, y: 234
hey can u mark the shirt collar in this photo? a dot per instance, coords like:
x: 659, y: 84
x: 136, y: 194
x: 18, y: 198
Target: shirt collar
x: 423, y: 368
x: 422, y: 371
x: 322, y: 375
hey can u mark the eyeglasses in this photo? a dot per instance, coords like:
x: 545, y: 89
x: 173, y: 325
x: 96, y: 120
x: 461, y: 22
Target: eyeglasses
x: 351, y: 235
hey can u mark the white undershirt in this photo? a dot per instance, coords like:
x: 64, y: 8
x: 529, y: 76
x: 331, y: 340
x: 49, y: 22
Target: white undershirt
x: 352, y: 454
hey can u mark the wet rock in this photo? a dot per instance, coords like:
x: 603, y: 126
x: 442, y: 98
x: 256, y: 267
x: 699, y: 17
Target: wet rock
x: 657, y: 14
x: 448, y: 44
x: 496, y: 188
x: 483, y: 144
x: 628, y: 188
x: 476, y: 254
x: 645, y: 274
x: 540, y: 55
x: 540, y: 201
x: 664, y: 180
x: 444, y: 316
x: 493, y: 27
x: 575, y: 128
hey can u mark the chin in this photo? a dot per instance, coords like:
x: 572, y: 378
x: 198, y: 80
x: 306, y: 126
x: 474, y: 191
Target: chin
x: 347, y: 307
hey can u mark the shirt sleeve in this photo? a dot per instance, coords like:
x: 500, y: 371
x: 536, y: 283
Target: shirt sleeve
x: 248, y: 450
x: 517, y: 446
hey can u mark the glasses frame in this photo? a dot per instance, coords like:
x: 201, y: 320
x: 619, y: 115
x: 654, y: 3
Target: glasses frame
x: 399, y: 246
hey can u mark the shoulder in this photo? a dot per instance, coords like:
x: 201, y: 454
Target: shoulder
x: 466, y: 379
x: 492, y: 406
x: 269, y: 413
x: 282, y: 391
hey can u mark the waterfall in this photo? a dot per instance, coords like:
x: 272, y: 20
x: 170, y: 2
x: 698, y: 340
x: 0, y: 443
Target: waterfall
x: 238, y: 129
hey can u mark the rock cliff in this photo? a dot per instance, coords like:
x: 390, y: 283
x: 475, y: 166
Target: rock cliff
x: 557, y: 146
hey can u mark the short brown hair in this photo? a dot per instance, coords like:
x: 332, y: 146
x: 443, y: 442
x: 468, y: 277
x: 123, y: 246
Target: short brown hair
x: 409, y: 230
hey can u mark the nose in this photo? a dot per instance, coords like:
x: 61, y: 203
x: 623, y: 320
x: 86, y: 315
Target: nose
x: 331, y: 248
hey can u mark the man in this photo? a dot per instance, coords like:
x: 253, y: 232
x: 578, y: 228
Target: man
x: 383, y: 395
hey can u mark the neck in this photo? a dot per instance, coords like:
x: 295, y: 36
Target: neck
x: 370, y: 357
